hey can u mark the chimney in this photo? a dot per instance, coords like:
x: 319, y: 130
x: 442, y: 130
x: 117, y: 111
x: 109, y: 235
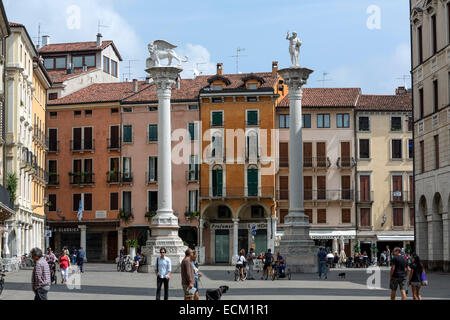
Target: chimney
x: 220, y: 69
x: 178, y: 83
x: 400, y: 91
x: 45, y: 41
x: 275, y: 68
x: 135, y: 85
x: 99, y: 39
x: 148, y: 80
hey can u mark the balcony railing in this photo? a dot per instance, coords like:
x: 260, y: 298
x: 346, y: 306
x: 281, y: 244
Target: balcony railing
x: 320, y: 195
x: 346, y: 162
x: 192, y: 175
x: 364, y: 196
x: 114, y: 144
x: 402, y: 196
x: 126, y: 177
x: 252, y: 123
x: 237, y: 192
x: 82, y: 178
x: 82, y: 145
x: 53, y: 179
x: 112, y: 177
x: 316, y: 162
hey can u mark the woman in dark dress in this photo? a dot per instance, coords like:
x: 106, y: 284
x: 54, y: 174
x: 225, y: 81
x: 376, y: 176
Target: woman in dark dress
x: 415, y: 278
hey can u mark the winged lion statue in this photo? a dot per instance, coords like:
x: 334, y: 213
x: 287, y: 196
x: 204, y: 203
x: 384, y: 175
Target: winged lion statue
x: 160, y: 49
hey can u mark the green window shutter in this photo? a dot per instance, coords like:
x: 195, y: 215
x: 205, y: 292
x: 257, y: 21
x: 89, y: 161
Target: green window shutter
x: 217, y: 119
x: 252, y: 182
x: 217, y: 183
x: 192, y: 131
x: 127, y: 134
x: 153, y: 132
x: 252, y: 118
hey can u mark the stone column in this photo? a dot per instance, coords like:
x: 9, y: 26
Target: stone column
x: 83, y: 240
x: 445, y: 227
x: 27, y: 238
x: 201, y: 248
x: 296, y: 244
x: 235, y: 241
x: 268, y: 229
x: 19, y: 240
x: 119, y: 240
x: 165, y: 223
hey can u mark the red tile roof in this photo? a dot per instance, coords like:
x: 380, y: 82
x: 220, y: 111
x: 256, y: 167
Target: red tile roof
x: 15, y: 24
x: 100, y: 93
x: 236, y: 80
x: 77, y: 47
x: 402, y: 102
x: 326, y: 97
x: 59, y: 76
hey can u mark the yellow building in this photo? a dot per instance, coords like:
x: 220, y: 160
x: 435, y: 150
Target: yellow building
x: 41, y: 82
x: 237, y: 183
x: 384, y: 180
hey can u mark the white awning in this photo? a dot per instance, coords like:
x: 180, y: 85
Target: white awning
x: 396, y: 238
x: 332, y: 234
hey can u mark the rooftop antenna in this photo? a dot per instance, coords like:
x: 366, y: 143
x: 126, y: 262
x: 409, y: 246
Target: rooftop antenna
x: 324, y: 79
x: 404, y: 77
x: 196, y: 71
x: 237, y: 56
x: 129, y: 73
x: 39, y: 38
x: 101, y: 26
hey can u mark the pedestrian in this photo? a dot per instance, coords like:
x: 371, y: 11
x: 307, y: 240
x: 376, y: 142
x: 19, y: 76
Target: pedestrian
x: 163, y: 271
x: 74, y: 256
x: 399, y: 270
x: 321, y: 258
x: 330, y: 258
x: 81, y: 255
x: 40, y: 277
x: 415, y: 278
x: 335, y: 260
x: 64, y: 264
x: 250, y: 257
x: 268, y: 260
x: 187, y: 275
x: 50, y: 256
x: 197, y: 275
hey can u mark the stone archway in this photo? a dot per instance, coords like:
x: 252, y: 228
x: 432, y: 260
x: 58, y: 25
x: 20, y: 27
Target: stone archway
x: 422, y: 229
x: 436, y: 232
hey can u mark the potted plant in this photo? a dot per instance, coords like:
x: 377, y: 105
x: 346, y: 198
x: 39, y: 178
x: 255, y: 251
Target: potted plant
x: 11, y: 186
x: 357, y: 248
x: 125, y: 216
x: 191, y: 215
x: 132, y: 244
x: 149, y: 215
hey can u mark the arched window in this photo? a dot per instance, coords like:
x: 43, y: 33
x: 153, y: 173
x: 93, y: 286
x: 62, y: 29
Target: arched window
x: 252, y: 181
x: 252, y: 145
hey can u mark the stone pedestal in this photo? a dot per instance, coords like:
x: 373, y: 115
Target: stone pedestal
x: 165, y: 223
x: 296, y: 245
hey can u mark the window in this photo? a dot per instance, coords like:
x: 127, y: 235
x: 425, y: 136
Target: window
x: 217, y: 100
x: 151, y: 109
x: 217, y: 182
x: 284, y: 213
x: 321, y: 216
x: 420, y: 44
x: 343, y: 120
x: 411, y: 217
x: 396, y: 149
x: 252, y: 145
x: 126, y: 201
x: 284, y: 154
x: 114, y: 110
x: 252, y: 181
x: 421, y: 103
x: 217, y: 147
x: 76, y: 199
x: 89, y: 61
x: 127, y: 134
x: 53, y: 115
x: 49, y: 63
x: 53, y: 140
x: 217, y: 87
x: 346, y: 216
x: 88, y: 113
x: 88, y: 201
x: 114, y: 71
x: 152, y: 169
x: 152, y: 204
x: 364, y: 217
x: 364, y: 124
x: 410, y: 124
x: 152, y: 133
x: 106, y: 64
x: 79, y: 61
x: 396, y: 123
x: 53, y: 96
x: 252, y: 86
x: 252, y: 118
x: 306, y: 121
x: 410, y: 148
x: 193, y: 168
x: 52, y: 202
x: 193, y: 131
x: 77, y: 113
x: 127, y: 109
x: 252, y: 99
x: 193, y: 107
x: 433, y: 34
x: 309, y: 213
x: 224, y: 212
x: 217, y: 119
x: 436, y: 152
x: 398, y: 217
x: 193, y: 200
x: 114, y: 201
x: 284, y: 121
x: 364, y: 148
x: 435, y: 96
x: 323, y: 121
x: 422, y: 157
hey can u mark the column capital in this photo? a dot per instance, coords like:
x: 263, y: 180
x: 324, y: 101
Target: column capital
x: 164, y: 77
x: 295, y: 77
x: 236, y: 221
x: 82, y: 228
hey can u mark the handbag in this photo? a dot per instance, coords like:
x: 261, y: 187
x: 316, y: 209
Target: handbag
x: 424, y: 279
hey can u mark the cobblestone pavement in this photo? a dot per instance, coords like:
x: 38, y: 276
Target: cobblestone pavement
x: 103, y: 282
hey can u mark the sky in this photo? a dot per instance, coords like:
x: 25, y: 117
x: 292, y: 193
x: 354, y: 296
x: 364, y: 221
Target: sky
x: 358, y: 43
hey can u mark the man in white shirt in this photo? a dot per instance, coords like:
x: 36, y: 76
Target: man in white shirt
x: 163, y: 270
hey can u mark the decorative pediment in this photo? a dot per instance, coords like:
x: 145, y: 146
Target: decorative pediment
x: 253, y: 77
x: 225, y: 80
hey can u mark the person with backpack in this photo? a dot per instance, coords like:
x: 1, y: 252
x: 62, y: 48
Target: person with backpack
x: 417, y: 277
x: 163, y: 271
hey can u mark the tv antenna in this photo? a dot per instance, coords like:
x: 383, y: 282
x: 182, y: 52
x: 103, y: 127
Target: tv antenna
x: 404, y: 78
x: 39, y: 38
x: 237, y: 56
x: 129, y: 67
x: 196, y: 71
x: 100, y: 26
x: 324, y: 79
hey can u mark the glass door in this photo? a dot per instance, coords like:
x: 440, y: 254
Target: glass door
x: 222, y: 246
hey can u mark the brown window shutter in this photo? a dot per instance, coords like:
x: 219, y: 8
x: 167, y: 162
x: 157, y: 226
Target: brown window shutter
x: 345, y: 154
x: 307, y: 154
x: 398, y: 217
x: 411, y: 217
x: 346, y: 216
x: 284, y: 188
x: 321, y: 154
x: 284, y: 154
x: 307, y: 188
x: 365, y: 217
x: 321, y: 215
x: 309, y: 213
x: 283, y: 213
x: 321, y: 187
x: 364, y: 188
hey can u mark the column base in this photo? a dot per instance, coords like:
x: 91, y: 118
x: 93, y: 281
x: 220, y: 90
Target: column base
x: 296, y: 245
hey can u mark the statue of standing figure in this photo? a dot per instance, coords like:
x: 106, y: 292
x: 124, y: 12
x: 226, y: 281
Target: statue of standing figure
x: 294, y: 47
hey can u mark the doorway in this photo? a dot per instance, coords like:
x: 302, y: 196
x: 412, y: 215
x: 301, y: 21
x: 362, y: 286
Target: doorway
x: 222, y: 246
x: 243, y: 240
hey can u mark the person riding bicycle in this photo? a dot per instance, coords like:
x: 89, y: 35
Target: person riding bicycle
x: 281, y: 266
x: 268, y: 260
x: 240, y: 264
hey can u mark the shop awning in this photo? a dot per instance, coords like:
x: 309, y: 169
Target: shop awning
x: 332, y: 234
x: 396, y: 238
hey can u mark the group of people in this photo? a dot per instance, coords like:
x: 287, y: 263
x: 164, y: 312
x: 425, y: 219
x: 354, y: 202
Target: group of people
x: 267, y: 260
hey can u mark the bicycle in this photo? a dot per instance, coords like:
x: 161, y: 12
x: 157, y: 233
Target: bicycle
x: 125, y: 264
x: 269, y: 272
x: 237, y: 274
x: 121, y: 265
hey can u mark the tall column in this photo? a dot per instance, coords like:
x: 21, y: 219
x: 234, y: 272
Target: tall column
x: 296, y: 243
x: 235, y: 240
x: 201, y: 248
x: 83, y: 239
x: 269, y: 231
x: 18, y: 239
x: 27, y: 238
x: 119, y: 240
x: 165, y: 224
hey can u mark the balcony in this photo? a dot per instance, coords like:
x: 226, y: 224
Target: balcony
x: 126, y: 178
x: 53, y: 179
x: 81, y: 178
x: 346, y: 163
x: 113, y: 177
x: 237, y: 193
x: 192, y: 176
x: 53, y: 147
x: 252, y: 123
x: 113, y: 145
x: 343, y: 195
x: 364, y: 196
x: 402, y: 196
x: 316, y: 162
x: 81, y: 146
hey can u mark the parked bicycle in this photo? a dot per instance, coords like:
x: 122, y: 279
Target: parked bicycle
x: 125, y: 264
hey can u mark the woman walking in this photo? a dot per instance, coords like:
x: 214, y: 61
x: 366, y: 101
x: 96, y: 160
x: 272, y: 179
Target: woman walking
x: 64, y: 263
x: 415, y: 278
x: 197, y: 275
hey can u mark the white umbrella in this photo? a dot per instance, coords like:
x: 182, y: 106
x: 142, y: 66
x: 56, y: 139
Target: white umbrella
x: 342, y: 253
x: 335, y: 245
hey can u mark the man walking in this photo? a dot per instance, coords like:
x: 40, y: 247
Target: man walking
x: 163, y: 270
x: 321, y: 258
x: 268, y: 260
x: 187, y: 275
x: 40, y: 277
x: 250, y: 257
x: 399, y: 270
x: 80, y: 258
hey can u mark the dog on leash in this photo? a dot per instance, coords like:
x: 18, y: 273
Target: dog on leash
x: 342, y: 275
x: 217, y: 293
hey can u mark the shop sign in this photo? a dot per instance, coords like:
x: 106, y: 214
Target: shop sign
x: 100, y: 214
x: 66, y: 230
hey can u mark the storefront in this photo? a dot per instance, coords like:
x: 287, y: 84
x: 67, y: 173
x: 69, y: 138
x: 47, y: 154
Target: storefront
x: 382, y: 239
x: 334, y: 240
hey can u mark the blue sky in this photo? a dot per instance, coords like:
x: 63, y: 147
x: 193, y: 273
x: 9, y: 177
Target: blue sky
x: 335, y: 35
